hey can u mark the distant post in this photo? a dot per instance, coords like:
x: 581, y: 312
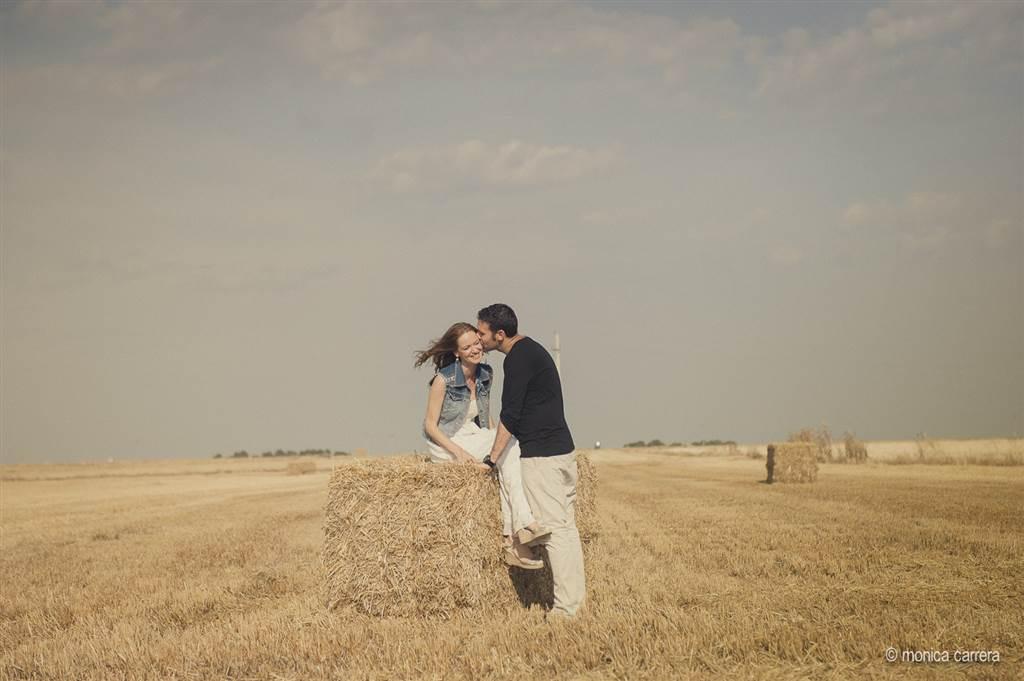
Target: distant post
x: 770, y: 464
x: 557, y: 350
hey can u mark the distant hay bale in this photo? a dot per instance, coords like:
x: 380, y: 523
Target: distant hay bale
x: 300, y: 467
x: 795, y: 462
x: 403, y: 537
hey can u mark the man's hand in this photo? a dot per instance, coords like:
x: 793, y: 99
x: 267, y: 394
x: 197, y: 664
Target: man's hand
x: 501, y: 441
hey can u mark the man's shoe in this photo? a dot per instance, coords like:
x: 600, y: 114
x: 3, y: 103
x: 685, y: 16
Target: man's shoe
x: 515, y: 560
x: 529, y: 537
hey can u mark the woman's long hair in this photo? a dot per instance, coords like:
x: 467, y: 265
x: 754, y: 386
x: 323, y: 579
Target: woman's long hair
x: 442, y: 351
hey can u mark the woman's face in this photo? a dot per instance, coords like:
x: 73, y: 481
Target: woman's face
x: 470, y: 350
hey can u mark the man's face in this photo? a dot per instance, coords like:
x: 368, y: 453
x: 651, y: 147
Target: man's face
x: 489, y: 339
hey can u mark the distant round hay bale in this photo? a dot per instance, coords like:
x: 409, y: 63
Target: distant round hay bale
x: 300, y: 467
x: 407, y: 538
x: 795, y: 462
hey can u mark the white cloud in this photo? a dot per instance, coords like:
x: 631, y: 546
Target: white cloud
x: 903, y: 23
x: 866, y: 65
x: 785, y: 255
x: 54, y: 82
x: 597, y: 217
x: 512, y: 163
x: 142, y: 25
x: 858, y: 214
x: 121, y: 50
x: 926, y: 220
x: 361, y: 42
x: 999, y: 232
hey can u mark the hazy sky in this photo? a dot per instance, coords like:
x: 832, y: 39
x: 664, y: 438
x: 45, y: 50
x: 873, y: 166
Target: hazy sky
x: 230, y: 225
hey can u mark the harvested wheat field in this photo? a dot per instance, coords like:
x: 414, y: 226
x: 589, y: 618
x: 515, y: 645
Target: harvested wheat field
x: 704, y: 572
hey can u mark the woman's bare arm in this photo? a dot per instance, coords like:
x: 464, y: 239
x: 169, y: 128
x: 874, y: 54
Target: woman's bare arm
x: 434, y: 402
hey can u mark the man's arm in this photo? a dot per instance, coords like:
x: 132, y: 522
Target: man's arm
x: 513, y: 396
x: 501, y: 441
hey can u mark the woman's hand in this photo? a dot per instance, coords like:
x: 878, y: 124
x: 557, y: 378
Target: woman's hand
x: 462, y: 456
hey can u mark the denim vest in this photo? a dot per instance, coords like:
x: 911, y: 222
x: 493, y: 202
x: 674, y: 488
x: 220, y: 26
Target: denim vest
x: 457, y: 397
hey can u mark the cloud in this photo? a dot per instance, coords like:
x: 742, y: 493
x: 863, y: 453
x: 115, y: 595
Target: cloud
x: 118, y: 50
x: 474, y: 162
x: 361, y: 42
x: 920, y: 220
x: 785, y: 255
x: 1000, y: 232
x: 907, y: 23
x: 54, y: 82
x: 869, y: 64
x: 598, y: 218
x: 137, y: 26
x: 927, y: 220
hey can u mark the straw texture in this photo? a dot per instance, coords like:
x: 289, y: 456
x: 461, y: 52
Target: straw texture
x: 407, y: 538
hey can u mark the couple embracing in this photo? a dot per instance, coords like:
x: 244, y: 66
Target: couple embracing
x: 531, y: 447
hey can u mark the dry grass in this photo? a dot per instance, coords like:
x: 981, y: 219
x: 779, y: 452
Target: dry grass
x: 982, y: 452
x: 924, y: 450
x: 703, y: 572
x: 161, y: 468
x: 300, y: 467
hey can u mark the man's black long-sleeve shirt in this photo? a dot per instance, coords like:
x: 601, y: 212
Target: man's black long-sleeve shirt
x: 531, y: 401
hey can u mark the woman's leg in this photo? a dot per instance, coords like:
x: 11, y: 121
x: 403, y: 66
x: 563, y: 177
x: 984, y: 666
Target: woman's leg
x: 511, y: 478
x: 438, y: 454
x: 478, y: 442
x: 506, y: 510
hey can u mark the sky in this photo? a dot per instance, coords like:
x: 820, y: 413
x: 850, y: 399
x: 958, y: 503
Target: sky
x: 230, y: 225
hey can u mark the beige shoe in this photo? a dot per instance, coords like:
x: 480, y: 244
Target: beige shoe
x: 515, y: 560
x: 530, y: 537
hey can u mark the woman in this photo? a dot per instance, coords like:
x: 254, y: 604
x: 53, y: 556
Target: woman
x: 460, y: 429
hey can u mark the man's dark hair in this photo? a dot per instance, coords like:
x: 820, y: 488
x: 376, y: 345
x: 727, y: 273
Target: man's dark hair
x: 500, y: 317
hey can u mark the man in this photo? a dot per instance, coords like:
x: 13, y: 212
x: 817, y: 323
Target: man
x: 532, y: 412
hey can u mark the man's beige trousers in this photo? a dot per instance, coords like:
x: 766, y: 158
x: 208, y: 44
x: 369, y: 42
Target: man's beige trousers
x: 550, y: 485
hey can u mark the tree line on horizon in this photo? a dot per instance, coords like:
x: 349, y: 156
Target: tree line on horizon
x: 243, y: 454
x: 695, y: 443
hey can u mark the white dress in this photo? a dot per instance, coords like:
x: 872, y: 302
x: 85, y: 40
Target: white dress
x: 471, y: 437
x: 515, y: 509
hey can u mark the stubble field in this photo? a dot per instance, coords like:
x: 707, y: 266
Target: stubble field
x: 197, y: 570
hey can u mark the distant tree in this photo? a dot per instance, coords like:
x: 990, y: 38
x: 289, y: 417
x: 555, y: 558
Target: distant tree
x: 655, y: 443
x: 267, y: 454
x: 676, y: 444
x: 240, y: 455
x: 821, y: 438
x: 638, y: 443
x: 340, y: 453
x: 853, y: 449
x: 218, y: 456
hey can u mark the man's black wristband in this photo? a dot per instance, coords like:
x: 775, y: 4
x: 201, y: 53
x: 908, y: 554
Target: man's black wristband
x: 487, y: 460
